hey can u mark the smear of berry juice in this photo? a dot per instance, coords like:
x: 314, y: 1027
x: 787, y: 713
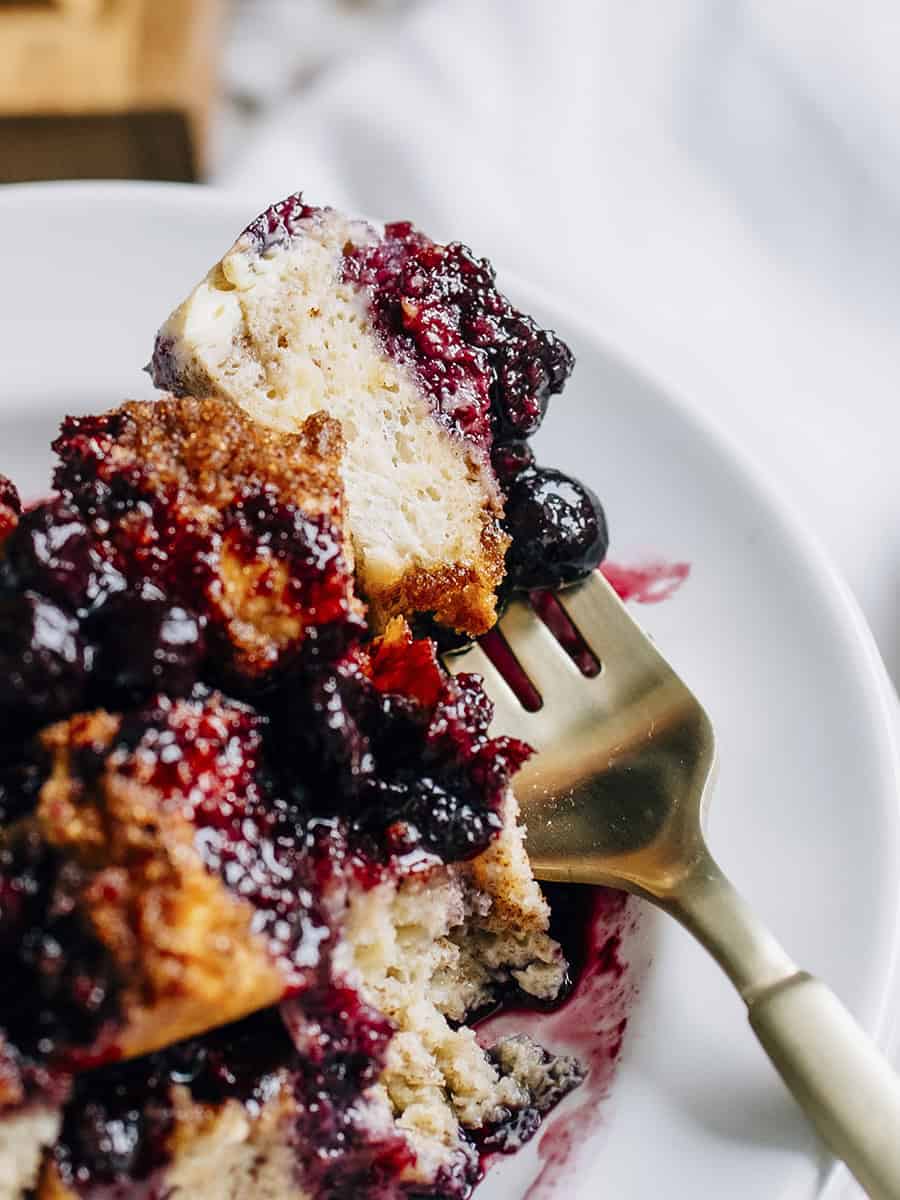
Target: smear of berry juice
x: 590, y: 1024
x: 646, y: 583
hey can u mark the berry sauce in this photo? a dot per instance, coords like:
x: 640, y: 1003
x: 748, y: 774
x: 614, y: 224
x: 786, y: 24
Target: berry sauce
x: 206, y: 756
x: 404, y: 746
x: 121, y: 524
x: 593, y: 925
x: 487, y: 368
x: 380, y: 765
x: 114, y: 1141
x: 59, y: 986
x: 324, y: 1049
x: 648, y: 583
x: 279, y: 223
x: 319, y: 1055
x: 222, y: 631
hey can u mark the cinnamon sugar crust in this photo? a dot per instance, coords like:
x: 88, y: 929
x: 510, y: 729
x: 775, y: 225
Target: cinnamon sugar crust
x: 178, y: 940
x: 245, y: 523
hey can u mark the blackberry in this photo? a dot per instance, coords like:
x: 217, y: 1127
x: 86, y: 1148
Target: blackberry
x: 448, y: 825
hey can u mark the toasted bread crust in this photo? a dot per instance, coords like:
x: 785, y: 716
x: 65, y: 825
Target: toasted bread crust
x: 182, y: 941
x: 461, y: 596
x: 209, y: 450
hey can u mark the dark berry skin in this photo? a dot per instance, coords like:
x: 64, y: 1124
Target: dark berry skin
x: 54, y: 552
x: 510, y: 459
x: 146, y: 645
x: 44, y: 661
x: 557, y: 527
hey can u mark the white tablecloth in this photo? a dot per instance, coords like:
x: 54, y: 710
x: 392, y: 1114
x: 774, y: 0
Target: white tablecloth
x: 716, y: 181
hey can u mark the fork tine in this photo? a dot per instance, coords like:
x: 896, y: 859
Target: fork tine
x: 539, y: 653
x: 600, y: 616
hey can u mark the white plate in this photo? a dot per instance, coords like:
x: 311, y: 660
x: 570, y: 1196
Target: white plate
x: 806, y: 815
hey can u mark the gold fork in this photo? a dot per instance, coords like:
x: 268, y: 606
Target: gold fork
x: 616, y: 795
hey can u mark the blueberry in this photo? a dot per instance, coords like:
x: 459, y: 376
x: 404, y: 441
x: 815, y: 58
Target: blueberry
x: 557, y: 527
x: 44, y: 661
x: 53, y: 551
x: 147, y: 645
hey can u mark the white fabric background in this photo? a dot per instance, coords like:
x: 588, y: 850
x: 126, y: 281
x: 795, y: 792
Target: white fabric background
x: 716, y: 181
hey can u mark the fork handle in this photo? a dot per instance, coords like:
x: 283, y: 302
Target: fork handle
x: 839, y: 1078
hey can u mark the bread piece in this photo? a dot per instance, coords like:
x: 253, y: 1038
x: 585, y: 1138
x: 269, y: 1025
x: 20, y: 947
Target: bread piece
x: 151, y: 871
x: 424, y: 363
x: 189, y: 497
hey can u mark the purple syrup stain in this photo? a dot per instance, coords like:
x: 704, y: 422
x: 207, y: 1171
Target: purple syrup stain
x: 646, y: 583
x: 590, y: 1021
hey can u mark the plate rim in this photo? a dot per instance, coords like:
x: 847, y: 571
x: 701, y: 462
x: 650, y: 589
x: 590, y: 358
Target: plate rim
x: 685, y: 401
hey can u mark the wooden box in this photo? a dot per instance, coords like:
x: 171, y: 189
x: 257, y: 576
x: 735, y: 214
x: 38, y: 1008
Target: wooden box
x: 106, y: 88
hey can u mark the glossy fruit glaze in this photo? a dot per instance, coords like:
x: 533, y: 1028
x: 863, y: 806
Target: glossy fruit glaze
x: 487, y: 369
x: 320, y: 1053
x: 314, y: 1059
x: 369, y: 761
